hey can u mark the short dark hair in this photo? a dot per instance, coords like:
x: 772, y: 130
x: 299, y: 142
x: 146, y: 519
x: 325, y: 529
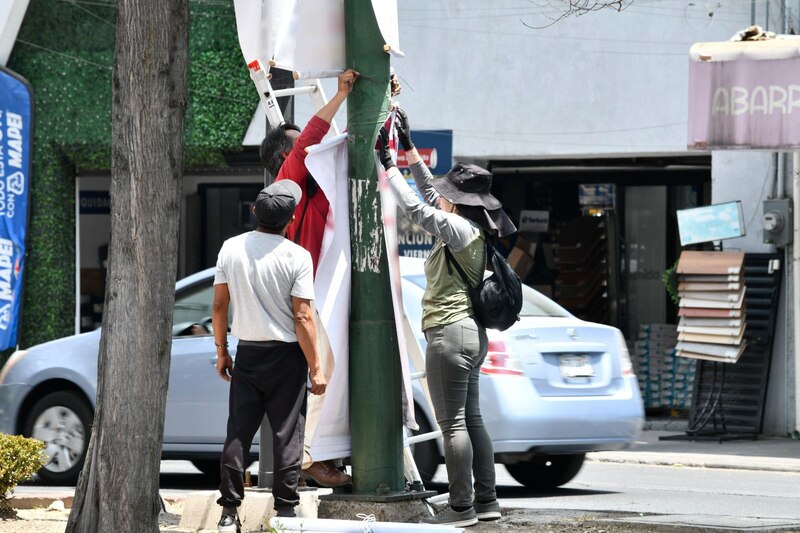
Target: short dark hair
x: 274, y: 144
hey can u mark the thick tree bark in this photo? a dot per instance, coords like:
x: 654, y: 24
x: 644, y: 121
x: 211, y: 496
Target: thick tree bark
x: 118, y: 488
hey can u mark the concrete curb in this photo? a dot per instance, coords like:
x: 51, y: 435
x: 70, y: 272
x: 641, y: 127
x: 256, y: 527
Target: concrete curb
x: 201, y: 512
x: 698, y: 460
x: 43, y: 500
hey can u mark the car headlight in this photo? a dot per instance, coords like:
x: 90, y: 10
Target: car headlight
x: 625, y: 364
x: 15, y: 358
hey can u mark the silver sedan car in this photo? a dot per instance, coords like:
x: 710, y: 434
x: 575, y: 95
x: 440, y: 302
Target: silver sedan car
x: 552, y: 388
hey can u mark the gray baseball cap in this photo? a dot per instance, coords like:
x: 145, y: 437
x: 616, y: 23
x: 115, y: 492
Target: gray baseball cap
x: 276, y: 203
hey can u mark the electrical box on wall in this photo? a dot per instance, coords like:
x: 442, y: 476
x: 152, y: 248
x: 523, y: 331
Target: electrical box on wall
x: 777, y: 222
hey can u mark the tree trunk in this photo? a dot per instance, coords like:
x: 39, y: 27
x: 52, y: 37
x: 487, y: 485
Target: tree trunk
x: 118, y: 488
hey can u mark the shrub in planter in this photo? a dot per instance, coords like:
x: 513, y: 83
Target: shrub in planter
x: 20, y: 458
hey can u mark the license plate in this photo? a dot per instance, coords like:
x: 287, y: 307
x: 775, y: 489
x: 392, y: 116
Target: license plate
x: 576, y: 366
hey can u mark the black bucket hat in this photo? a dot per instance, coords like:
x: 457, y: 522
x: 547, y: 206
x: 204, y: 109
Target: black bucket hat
x: 468, y: 186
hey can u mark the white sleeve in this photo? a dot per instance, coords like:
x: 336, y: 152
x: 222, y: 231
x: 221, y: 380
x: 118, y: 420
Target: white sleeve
x: 455, y: 230
x: 219, y: 275
x: 304, y: 281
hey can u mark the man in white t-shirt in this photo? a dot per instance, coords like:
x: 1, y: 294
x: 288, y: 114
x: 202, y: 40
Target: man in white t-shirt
x: 269, y: 281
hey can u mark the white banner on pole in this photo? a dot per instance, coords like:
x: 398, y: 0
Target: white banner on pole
x: 259, y: 24
x: 327, y: 162
x: 312, y: 44
x: 389, y: 212
x: 386, y: 15
x: 305, y: 36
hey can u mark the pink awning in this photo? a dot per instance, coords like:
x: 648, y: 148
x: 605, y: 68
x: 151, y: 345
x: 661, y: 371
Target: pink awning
x: 745, y: 95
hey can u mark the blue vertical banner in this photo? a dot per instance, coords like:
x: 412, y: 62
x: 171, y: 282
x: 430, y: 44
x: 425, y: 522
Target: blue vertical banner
x: 16, y: 136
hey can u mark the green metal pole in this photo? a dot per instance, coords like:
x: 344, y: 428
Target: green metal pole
x: 375, y: 374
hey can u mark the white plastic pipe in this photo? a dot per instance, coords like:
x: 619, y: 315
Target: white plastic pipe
x: 309, y: 525
x: 424, y: 436
x: 292, y: 91
x: 796, y: 286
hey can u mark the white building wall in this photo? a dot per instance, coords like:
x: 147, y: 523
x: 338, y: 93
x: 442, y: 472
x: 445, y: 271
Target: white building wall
x: 750, y: 178
x: 606, y: 83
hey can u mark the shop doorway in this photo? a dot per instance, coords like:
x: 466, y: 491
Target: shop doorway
x: 611, y: 233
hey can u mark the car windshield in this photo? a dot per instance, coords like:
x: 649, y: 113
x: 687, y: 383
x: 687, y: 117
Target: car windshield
x: 192, y: 311
x: 533, y: 303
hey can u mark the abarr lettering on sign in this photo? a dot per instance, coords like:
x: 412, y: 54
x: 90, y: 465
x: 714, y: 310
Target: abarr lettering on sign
x: 744, y: 104
x: 766, y: 100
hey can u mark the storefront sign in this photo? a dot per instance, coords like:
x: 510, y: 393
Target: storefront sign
x: 94, y: 203
x: 711, y: 223
x: 435, y: 147
x: 744, y: 103
x: 597, y: 195
x: 534, y: 221
x: 16, y: 114
x: 412, y: 241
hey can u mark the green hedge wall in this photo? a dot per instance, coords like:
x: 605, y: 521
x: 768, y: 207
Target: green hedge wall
x: 66, y: 51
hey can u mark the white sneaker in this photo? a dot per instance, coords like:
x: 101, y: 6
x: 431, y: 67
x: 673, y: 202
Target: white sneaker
x: 229, y: 524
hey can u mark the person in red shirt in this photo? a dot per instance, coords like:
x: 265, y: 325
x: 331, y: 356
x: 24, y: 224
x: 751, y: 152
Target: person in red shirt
x: 283, y: 153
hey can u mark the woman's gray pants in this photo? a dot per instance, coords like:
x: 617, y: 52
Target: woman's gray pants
x: 452, y: 363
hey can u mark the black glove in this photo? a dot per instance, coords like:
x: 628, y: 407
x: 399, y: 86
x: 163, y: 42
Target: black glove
x: 403, y: 129
x: 384, y: 155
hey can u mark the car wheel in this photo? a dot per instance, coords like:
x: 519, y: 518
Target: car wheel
x: 63, y: 421
x: 547, y: 471
x: 426, y: 453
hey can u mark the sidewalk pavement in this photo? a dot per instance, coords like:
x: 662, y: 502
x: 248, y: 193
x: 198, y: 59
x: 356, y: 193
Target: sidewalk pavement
x: 779, y: 454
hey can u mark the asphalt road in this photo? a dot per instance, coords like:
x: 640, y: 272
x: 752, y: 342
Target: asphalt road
x: 670, y: 490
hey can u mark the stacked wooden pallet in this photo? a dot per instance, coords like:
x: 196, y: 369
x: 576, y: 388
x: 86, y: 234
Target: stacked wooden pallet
x: 712, y: 319
x: 580, y: 255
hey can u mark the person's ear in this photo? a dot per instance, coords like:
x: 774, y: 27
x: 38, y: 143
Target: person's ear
x: 286, y: 227
x: 253, y: 209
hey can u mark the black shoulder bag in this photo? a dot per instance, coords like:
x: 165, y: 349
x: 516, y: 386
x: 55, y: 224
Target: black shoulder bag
x: 497, y: 300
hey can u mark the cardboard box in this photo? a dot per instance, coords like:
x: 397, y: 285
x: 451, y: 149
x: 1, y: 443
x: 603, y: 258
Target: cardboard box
x: 521, y: 262
x: 525, y: 245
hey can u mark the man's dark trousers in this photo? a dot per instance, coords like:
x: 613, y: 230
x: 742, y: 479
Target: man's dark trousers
x: 268, y: 378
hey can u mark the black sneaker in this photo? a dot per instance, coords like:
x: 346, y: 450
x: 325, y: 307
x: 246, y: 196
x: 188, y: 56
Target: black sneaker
x: 229, y: 524
x: 285, y: 512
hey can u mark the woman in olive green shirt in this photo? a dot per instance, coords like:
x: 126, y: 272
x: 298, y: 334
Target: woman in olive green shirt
x: 460, y: 211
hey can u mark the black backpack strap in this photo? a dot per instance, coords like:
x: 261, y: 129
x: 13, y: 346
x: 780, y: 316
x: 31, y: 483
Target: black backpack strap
x: 452, y: 260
